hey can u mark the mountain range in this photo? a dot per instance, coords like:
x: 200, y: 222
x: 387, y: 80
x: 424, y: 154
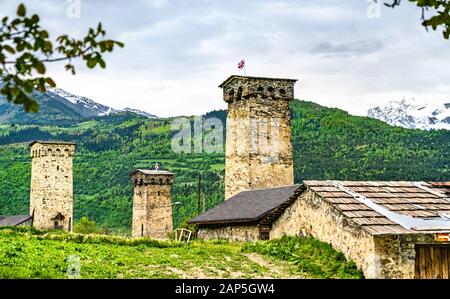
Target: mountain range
x: 411, y: 114
x: 327, y: 143
x: 59, y: 107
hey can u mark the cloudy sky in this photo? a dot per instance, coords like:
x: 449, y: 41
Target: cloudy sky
x: 345, y: 54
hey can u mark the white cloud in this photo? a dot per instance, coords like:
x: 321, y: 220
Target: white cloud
x: 177, y: 51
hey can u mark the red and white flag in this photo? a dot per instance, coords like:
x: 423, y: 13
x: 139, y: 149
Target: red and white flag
x: 241, y: 64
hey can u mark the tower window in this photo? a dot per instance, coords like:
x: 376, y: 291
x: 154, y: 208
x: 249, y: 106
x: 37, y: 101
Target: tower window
x: 159, y: 193
x: 231, y: 94
x: 282, y: 91
x: 260, y: 89
x: 239, y: 94
x: 57, y: 167
x: 270, y: 89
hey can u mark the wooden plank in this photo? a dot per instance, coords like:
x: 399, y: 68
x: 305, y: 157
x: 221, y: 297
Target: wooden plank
x: 358, y: 214
x: 445, y: 262
x: 429, y: 262
x: 417, y: 264
x: 422, y: 263
x: 437, y: 263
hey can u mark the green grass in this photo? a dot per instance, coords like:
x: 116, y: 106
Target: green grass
x: 314, y: 257
x: 28, y: 253
x: 218, y: 166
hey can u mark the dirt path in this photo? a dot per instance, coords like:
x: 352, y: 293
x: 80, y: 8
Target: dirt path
x: 278, y: 269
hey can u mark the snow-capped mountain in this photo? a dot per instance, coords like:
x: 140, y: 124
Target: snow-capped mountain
x: 139, y: 112
x: 58, y: 107
x: 94, y: 108
x: 409, y: 113
x: 85, y: 106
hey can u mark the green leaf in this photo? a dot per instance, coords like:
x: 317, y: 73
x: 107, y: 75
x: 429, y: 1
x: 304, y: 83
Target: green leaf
x: 21, y: 10
x: 91, y: 63
x: 9, y: 49
x: 101, y: 62
x: 50, y: 82
x: 40, y: 67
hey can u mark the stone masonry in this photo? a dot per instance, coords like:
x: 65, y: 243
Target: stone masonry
x: 309, y: 215
x: 51, y: 191
x: 258, y: 142
x: 242, y: 233
x: 152, y: 203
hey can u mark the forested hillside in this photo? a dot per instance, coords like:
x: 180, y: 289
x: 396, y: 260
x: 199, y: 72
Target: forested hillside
x: 328, y: 144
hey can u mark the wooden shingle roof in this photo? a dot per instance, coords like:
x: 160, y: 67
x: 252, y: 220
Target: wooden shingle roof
x: 247, y: 206
x: 416, y: 199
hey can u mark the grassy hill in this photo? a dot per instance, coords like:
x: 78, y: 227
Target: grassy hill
x: 328, y: 144
x: 28, y: 253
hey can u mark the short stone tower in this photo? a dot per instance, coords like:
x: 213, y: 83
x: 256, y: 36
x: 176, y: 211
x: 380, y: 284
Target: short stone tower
x: 51, y: 190
x: 258, y: 142
x: 152, y: 203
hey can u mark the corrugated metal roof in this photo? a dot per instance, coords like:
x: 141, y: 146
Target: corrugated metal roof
x: 404, y: 198
x: 14, y: 220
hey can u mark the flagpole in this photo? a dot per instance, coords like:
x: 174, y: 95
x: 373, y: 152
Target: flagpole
x: 245, y: 70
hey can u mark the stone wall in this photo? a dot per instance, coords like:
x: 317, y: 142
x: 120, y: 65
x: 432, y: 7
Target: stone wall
x: 152, y: 205
x: 309, y: 215
x: 51, y: 190
x: 230, y: 232
x: 258, y: 141
x: 396, y: 254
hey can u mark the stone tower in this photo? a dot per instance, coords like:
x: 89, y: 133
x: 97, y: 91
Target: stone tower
x: 152, y: 203
x: 258, y: 142
x: 51, y: 190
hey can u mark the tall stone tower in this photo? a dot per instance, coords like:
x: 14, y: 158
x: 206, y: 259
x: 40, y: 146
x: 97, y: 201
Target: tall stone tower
x: 258, y: 142
x: 152, y: 203
x: 51, y: 190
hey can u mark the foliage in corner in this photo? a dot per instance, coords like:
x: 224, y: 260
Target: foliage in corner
x: 441, y: 17
x: 26, y: 48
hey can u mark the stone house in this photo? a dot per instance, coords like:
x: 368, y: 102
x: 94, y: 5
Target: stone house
x: 390, y: 229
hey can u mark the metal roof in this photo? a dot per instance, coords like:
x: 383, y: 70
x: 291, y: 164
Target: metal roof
x: 14, y: 220
x: 247, y: 206
x: 251, y: 77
